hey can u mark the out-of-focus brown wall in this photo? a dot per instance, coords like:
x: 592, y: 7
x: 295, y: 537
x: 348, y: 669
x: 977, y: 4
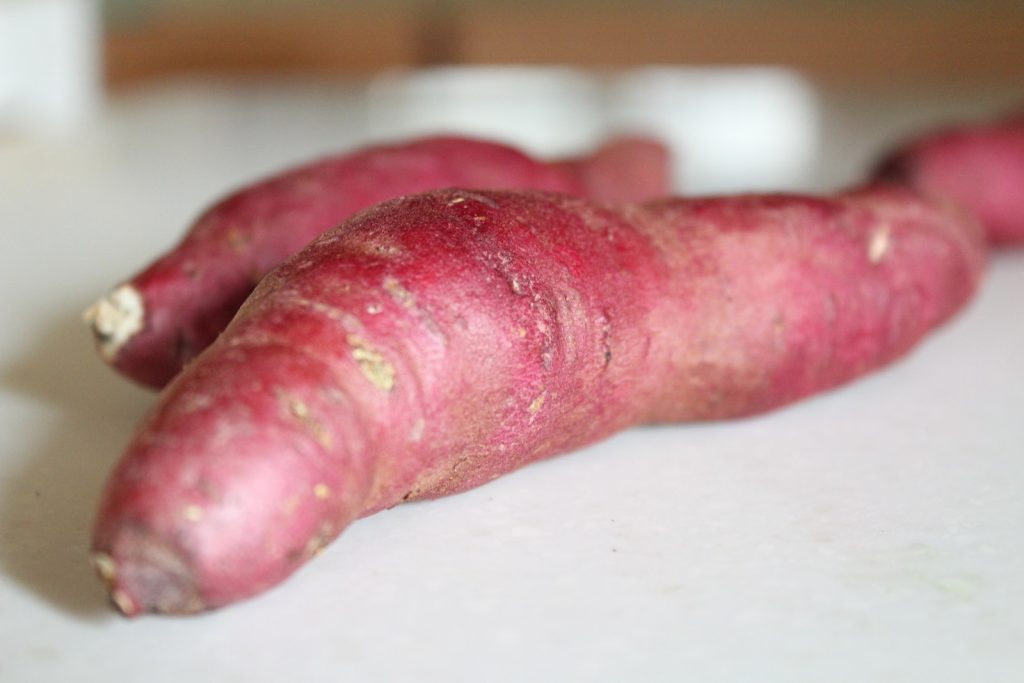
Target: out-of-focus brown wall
x: 874, y: 41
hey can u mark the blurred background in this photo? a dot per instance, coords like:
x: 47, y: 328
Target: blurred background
x: 849, y: 537
x: 751, y: 95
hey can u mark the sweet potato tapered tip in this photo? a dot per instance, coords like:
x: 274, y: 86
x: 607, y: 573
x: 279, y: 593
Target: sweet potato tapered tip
x: 144, y: 575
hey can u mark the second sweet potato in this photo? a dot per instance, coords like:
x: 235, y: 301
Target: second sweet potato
x: 978, y: 166
x: 149, y: 326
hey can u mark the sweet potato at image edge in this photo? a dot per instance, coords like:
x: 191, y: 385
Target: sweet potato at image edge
x: 978, y: 166
x: 150, y: 326
x: 437, y: 341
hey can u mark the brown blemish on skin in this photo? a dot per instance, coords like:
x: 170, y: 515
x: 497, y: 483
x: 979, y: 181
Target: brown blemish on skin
x: 236, y: 240
x: 374, y: 366
x: 537, y: 404
x: 209, y: 490
x: 320, y: 539
x: 779, y: 331
x: 606, y: 339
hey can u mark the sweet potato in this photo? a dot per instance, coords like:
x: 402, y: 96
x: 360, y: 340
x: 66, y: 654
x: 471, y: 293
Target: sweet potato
x: 436, y: 341
x: 151, y: 325
x: 979, y: 166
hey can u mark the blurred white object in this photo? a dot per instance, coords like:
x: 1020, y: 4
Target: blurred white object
x: 544, y: 110
x: 730, y: 129
x: 49, y: 63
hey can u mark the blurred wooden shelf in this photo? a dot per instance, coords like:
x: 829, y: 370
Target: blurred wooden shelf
x: 334, y: 42
x: 869, y: 44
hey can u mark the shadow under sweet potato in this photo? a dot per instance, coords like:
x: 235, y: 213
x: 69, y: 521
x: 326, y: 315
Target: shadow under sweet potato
x: 48, y: 498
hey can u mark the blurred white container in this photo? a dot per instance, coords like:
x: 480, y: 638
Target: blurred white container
x: 544, y: 110
x: 730, y: 129
x: 49, y: 64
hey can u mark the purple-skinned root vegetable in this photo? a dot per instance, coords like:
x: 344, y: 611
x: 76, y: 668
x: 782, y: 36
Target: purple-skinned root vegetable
x: 436, y: 341
x: 978, y: 166
x: 150, y: 326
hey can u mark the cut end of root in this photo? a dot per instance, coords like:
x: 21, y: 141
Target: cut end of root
x: 115, y: 319
x: 144, y: 575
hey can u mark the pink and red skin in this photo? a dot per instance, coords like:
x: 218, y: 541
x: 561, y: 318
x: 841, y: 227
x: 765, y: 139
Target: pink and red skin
x: 517, y: 326
x: 979, y: 166
x: 191, y: 293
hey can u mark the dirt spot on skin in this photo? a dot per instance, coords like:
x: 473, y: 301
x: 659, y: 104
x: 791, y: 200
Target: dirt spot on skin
x: 236, y: 240
x: 300, y: 411
x: 374, y: 366
x: 402, y: 296
x: 537, y: 404
x: 320, y: 539
x: 606, y: 339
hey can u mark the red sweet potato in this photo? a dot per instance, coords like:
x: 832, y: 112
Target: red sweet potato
x: 979, y: 166
x: 151, y: 325
x: 436, y: 341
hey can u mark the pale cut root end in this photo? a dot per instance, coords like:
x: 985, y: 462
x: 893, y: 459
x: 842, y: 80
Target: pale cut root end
x: 115, y: 319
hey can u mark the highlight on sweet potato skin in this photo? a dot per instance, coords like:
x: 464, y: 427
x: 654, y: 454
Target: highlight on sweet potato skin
x: 150, y: 326
x: 437, y: 341
x: 978, y: 166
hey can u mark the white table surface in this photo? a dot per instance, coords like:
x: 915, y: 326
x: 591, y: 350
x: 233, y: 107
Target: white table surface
x: 872, y: 534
